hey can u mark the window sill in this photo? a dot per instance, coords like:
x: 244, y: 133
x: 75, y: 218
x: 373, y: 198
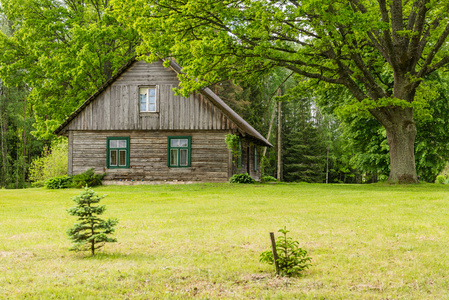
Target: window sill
x: 180, y: 167
x: 119, y: 168
x: 149, y: 113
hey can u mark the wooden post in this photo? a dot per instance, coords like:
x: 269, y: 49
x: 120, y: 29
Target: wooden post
x: 275, y: 253
x: 278, y: 91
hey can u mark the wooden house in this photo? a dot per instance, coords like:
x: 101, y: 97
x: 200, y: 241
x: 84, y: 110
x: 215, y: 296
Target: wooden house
x: 135, y: 128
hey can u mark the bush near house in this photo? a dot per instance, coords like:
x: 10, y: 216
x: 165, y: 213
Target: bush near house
x: 441, y: 179
x: 52, y: 163
x: 87, y: 178
x: 59, y: 182
x: 241, y: 178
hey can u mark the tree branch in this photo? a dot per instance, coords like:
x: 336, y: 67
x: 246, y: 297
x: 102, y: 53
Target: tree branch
x: 432, y: 53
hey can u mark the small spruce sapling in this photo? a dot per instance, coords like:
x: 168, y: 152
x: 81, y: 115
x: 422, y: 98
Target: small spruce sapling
x: 292, y: 259
x: 91, y: 233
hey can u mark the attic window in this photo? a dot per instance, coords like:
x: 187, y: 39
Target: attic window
x: 147, y: 99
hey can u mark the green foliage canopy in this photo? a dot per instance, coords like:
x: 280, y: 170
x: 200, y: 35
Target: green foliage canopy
x: 357, y: 43
x: 64, y: 50
x: 381, y: 51
x: 366, y: 140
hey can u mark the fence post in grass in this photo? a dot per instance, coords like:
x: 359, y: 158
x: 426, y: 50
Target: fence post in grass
x: 275, y: 253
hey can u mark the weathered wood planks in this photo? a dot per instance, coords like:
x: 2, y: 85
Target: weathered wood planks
x: 148, y: 155
x: 117, y: 107
x: 116, y: 112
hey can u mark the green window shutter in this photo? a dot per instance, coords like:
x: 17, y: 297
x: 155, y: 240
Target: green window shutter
x: 179, y: 151
x: 117, y: 152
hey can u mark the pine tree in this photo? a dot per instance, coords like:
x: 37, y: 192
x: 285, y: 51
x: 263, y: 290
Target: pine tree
x: 304, y: 147
x: 91, y: 233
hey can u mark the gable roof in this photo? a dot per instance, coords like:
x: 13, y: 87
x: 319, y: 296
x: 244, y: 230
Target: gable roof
x: 244, y: 127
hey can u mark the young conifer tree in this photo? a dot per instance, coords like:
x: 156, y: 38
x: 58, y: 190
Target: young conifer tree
x: 91, y: 233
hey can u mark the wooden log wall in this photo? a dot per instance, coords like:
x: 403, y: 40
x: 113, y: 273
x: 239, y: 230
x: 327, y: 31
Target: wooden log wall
x: 118, y: 108
x: 148, y: 155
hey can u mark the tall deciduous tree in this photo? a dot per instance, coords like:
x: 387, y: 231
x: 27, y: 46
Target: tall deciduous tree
x: 367, y: 142
x: 381, y: 51
x: 64, y: 50
x: 17, y: 145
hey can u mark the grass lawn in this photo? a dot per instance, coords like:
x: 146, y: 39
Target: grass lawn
x: 203, y: 241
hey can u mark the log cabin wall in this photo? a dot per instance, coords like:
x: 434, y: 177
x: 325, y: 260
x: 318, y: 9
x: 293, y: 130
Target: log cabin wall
x: 115, y: 112
x: 118, y: 108
x: 148, y: 155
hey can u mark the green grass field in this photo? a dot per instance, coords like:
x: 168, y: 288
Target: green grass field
x: 203, y: 241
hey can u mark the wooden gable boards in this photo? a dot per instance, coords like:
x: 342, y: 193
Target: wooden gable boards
x: 115, y: 106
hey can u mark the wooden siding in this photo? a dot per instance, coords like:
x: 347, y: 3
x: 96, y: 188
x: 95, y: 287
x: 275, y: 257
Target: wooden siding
x: 117, y: 107
x: 148, y: 155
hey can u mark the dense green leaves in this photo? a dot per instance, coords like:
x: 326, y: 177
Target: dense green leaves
x: 53, y: 162
x: 64, y: 50
x: 380, y: 51
x: 17, y: 146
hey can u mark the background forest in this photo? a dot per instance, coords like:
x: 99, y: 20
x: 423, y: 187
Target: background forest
x: 54, y: 54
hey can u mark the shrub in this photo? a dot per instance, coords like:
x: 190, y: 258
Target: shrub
x: 440, y: 179
x: 91, y: 233
x: 268, y: 178
x: 241, y: 178
x: 53, y: 162
x: 87, y: 178
x: 292, y: 260
x: 59, y: 182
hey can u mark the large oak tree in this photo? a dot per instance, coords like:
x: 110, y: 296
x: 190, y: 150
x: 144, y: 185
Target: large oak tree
x: 381, y: 51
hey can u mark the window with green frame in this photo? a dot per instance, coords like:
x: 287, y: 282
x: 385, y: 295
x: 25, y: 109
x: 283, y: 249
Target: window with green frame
x: 178, y: 152
x: 117, y: 152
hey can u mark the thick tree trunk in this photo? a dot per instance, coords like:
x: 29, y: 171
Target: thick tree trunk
x: 401, y: 133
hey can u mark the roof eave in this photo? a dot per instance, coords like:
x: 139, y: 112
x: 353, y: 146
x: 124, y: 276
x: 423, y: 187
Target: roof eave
x: 228, y: 111
x: 224, y: 108
x: 60, y: 129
